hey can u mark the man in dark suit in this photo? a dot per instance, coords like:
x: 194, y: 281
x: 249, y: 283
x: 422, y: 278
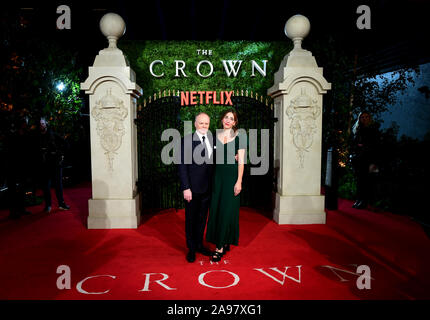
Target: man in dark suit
x: 195, y: 174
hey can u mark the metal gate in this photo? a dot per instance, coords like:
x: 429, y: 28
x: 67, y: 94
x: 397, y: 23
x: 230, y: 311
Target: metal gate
x: 159, y: 183
x: 255, y: 114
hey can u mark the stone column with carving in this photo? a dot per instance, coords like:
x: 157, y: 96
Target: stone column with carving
x: 113, y: 92
x: 297, y: 92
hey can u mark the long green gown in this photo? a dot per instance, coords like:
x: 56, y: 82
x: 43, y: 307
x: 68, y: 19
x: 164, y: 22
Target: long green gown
x: 223, y: 224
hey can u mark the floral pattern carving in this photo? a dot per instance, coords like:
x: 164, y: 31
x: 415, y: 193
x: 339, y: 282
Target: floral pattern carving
x: 110, y: 112
x: 303, y: 112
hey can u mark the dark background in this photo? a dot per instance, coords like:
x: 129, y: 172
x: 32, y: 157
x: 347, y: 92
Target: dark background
x: 396, y: 38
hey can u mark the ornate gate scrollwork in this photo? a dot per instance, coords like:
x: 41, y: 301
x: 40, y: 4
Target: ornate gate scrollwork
x: 159, y: 183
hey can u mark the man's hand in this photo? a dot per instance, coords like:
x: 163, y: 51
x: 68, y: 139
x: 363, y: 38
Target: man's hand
x: 188, y: 195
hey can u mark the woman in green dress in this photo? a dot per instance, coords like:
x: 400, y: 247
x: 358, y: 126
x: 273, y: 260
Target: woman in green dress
x: 223, y: 224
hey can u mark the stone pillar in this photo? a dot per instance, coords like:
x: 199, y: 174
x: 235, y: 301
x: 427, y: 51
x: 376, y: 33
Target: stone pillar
x: 113, y: 93
x: 297, y: 92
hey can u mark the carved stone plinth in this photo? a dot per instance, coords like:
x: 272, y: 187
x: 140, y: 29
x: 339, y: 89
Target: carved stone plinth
x: 113, y: 93
x: 297, y: 92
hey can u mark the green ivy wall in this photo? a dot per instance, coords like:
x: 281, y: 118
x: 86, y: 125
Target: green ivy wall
x: 142, y: 53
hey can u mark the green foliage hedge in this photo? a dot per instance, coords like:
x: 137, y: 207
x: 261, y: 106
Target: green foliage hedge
x: 142, y: 53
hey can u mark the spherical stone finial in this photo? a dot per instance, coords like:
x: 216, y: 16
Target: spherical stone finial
x: 297, y: 28
x: 113, y: 27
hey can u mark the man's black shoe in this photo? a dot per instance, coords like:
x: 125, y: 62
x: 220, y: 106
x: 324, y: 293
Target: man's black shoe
x: 64, y: 206
x: 204, y: 251
x: 191, y: 256
x: 356, y: 203
x: 361, y: 205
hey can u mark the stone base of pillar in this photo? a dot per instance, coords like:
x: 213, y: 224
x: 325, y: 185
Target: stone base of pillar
x: 299, y: 209
x: 114, y: 214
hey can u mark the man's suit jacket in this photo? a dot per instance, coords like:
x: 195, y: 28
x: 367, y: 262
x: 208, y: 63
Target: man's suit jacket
x: 194, y: 176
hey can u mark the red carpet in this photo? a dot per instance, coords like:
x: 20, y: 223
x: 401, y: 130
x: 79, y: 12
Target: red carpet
x: 271, y: 262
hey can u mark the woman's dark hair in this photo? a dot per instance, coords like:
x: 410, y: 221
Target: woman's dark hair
x: 234, y: 116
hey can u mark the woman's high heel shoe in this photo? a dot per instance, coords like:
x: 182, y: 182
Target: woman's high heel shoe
x: 217, y: 256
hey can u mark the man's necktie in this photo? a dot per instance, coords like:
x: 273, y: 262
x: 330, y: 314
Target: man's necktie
x: 204, y: 146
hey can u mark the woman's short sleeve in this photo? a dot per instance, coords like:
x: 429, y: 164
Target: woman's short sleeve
x: 241, y: 141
